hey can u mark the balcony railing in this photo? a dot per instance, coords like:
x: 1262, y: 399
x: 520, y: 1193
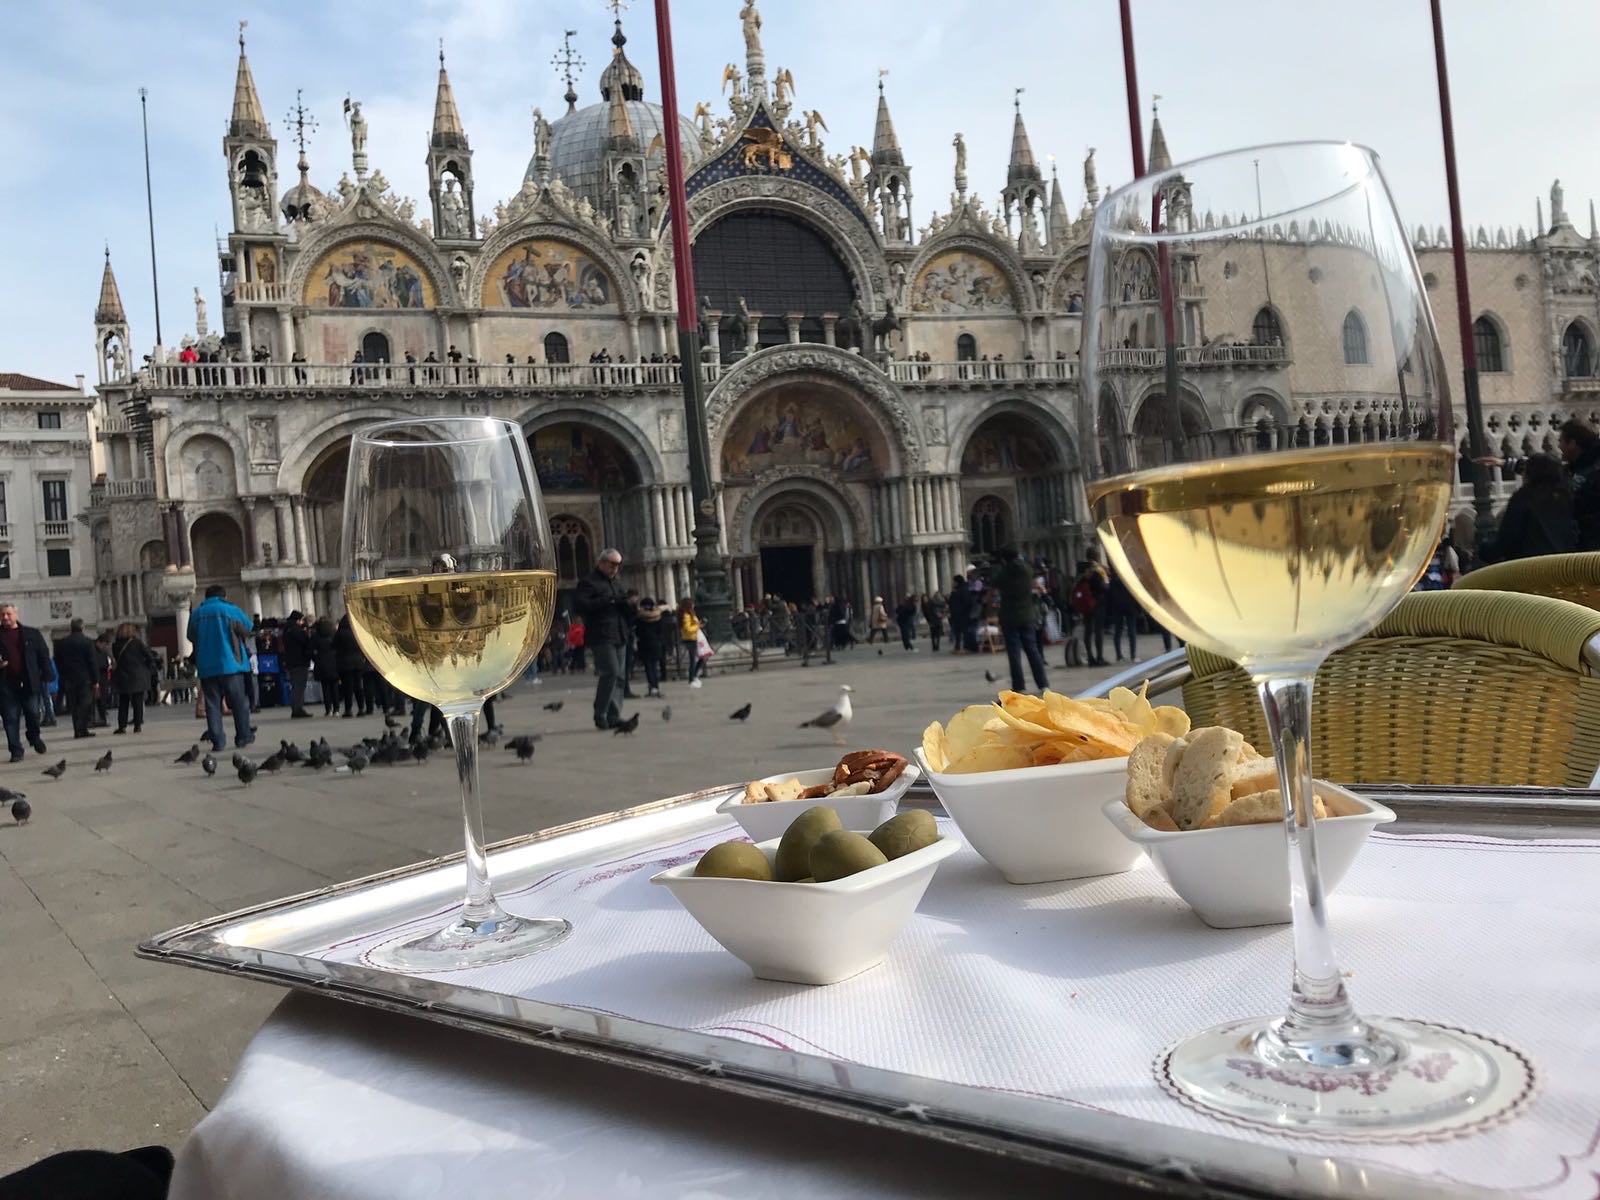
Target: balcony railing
x: 411, y: 377
x: 1151, y: 358
x: 261, y: 293
x: 1048, y: 370
x: 5, y: 532
x: 106, y: 426
x: 55, y: 529
x: 118, y: 489
x: 1583, y: 383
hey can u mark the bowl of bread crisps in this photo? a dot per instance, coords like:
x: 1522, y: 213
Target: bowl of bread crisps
x: 1025, y: 778
x: 864, y: 787
x: 1207, y: 809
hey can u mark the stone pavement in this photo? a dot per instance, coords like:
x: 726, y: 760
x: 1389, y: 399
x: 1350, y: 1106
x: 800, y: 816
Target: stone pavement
x: 101, y: 1049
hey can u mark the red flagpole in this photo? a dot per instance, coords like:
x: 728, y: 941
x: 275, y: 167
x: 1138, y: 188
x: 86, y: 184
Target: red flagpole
x: 1130, y: 75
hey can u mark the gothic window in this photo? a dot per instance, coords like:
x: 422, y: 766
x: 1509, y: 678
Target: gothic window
x: 1576, y: 352
x: 375, y: 348
x: 988, y: 525
x: 966, y: 348
x: 778, y: 265
x: 1266, y: 330
x: 55, y: 499
x: 573, y: 547
x: 1486, y: 345
x: 1355, y: 338
x: 555, y: 348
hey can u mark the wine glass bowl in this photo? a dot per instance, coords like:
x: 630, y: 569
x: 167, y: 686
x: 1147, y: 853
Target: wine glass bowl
x: 450, y: 591
x: 1268, y: 455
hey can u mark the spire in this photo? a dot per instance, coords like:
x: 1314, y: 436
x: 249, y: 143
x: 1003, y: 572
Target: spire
x: 885, y: 145
x: 1594, y: 233
x: 1160, y: 160
x: 621, y: 80
x: 447, y: 131
x: 248, y: 119
x: 1060, y: 225
x: 109, y: 311
x: 1022, y: 165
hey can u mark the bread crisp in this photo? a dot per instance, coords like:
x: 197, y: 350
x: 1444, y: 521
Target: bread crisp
x: 1257, y: 775
x: 1265, y: 807
x: 1202, y: 776
x: 789, y: 789
x: 1146, y: 792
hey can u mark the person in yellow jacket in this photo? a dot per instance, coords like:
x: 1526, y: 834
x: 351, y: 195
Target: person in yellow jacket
x: 689, y: 632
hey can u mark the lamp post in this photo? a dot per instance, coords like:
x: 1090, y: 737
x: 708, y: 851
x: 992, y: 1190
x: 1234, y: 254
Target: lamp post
x: 711, y: 599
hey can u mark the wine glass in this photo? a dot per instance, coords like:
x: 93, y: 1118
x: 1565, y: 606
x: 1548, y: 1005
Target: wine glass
x: 1268, y: 454
x: 450, y: 592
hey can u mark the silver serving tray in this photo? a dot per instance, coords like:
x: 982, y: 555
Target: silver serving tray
x: 268, y: 943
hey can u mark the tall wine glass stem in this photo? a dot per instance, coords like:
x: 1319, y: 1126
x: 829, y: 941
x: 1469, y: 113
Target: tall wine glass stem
x: 1321, y: 1026
x: 480, y: 907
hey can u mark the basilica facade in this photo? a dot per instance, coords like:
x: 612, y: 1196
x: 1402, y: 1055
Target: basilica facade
x: 889, y: 393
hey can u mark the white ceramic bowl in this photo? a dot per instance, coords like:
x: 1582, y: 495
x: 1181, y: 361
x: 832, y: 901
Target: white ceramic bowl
x: 1037, y: 824
x: 1238, y: 875
x: 809, y: 932
x: 770, y: 818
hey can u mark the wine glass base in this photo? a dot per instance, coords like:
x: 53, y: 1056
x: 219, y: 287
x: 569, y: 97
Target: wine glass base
x: 461, y: 944
x: 1445, y: 1082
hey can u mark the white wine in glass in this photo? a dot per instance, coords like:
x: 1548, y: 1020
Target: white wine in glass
x: 450, y: 592
x: 1274, y: 536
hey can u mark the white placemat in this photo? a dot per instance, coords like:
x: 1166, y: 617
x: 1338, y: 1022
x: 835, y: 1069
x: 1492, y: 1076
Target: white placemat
x: 1068, y: 990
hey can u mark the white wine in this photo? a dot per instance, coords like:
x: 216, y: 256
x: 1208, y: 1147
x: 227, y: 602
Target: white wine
x: 1276, y: 560
x: 449, y: 639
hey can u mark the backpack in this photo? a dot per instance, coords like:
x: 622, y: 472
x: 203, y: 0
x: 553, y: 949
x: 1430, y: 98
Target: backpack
x: 1081, y: 598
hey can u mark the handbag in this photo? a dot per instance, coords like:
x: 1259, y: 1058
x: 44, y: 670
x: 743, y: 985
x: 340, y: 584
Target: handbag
x: 702, y: 648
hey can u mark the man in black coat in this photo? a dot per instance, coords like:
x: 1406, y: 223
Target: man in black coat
x: 75, y: 664
x: 1019, y: 624
x: 24, y: 667
x: 960, y: 606
x: 297, y: 661
x: 607, y: 618
x: 102, y: 680
x: 1580, y: 448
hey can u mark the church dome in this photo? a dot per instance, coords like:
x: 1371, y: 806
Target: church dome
x: 578, y: 144
x: 304, y: 201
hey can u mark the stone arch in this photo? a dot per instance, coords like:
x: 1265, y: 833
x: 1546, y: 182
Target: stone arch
x: 1070, y: 274
x: 827, y: 492
x: 646, y: 459
x: 826, y: 366
x: 1151, y: 419
x: 1268, y: 322
x: 1578, y: 348
x: 219, y: 552
x: 1063, y: 438
x: 513, y: 235
x: 310, y: 446
x: 176, y: 456
x: 1502, y: 332
x: 1000, y: 254
x: 366, y: 221
x: 1263, y: 402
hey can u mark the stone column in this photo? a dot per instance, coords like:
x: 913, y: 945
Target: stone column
x: 829, y: 322
x: 179, y: 586
x: 925, y: 502
x: 281, y: 526
x: 686, y: 506
x: 864, y: 579
x: 659, y: 522
x: 633, y: 339
x: 253, y: 591
x: 252, y: 549
x: 301, y: 550
x: 793, y: 321
x: 752, y: 337
x: 473, y: 345
x: 665, y: 343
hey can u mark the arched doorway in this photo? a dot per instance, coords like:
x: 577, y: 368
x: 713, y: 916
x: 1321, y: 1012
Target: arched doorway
x: 555, y: 348
x: 791, y: 546
x: 324, y: 506
x: 1152, y: 430
x: 1019, y: 486
x: 591, y: 479
x: 375, y: 348
x: 218, y: 544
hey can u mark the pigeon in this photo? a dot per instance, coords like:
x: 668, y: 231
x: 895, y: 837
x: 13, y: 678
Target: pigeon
x: 237, y: 759
x: 104, y: 764
x: 834, y: 718
x: 209, y: 764
x: 56, y: 771
x: 389, y: 722
x: 291, y: 752
x: 7, y: 795
x: 21, y: 810
x: 627, y: 725
x: 192, y: 754
x: 272, y: 762
x: 740, y: 714
x: 358, y: 763
x: 554, y: 706
x: 880, y: 653
x: 988, y: 676
x: 247, y: 772
x: 420, y: 751
x: 319, y: 755
x: 666, y: 712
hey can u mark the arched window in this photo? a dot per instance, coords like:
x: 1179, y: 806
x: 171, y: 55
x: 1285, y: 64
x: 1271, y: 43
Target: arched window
x: 1486, y: 345
x: 1265, y: 330
x: 375, y: 348
x: 988, y: 525
x: 966, y: 348
x: 555, y: 348
x: 1576, y: 352
x: 1355, y: 338
x: 574, y: 550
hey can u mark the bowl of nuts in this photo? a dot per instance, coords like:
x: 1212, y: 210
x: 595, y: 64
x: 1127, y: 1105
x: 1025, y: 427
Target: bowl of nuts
x: 864, y: 788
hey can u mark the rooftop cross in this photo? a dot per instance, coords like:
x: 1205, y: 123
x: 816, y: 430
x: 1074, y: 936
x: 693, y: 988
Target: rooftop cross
x: 301, y: 120
x: 568, y: 63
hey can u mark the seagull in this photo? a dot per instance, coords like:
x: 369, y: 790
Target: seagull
x: 56, y: 771
x: 739, y: 714
x: 21, y: 810
x: 104, y: 763
x: 834, y: 718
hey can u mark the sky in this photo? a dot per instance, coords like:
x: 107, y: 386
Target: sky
x: 1230, y: 73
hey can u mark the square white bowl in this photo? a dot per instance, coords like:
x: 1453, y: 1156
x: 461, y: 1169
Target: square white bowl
x: 1238, y: 875
x: 769, y: 818
x: 812, y: 933
x: 1038, y: 824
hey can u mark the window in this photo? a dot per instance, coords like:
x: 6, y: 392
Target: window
x: 988, y: 525
x: 4, y: 520
x: 375, y: 348
x: 49, y: 420
x: 5, y: 564
x: 55, y: 499
x: 1576, y: 352
x: 1266, y: 330
x: 1486, y: 345
x: 555, y: 348
x: 966, y: 348
x: 1355, y: 338
x: 58, y: 562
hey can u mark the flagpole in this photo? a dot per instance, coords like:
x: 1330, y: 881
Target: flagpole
x: 1482, y: 502
x: 711, y: 599
x: 150, y: 210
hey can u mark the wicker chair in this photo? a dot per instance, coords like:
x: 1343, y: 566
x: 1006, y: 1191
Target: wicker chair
x: 1484, y: 689
x: 1574, y: 577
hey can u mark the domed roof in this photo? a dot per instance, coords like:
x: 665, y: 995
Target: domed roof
x: 578, y: 144
x: 304, y: 201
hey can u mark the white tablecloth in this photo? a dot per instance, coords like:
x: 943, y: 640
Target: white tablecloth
x: 331, y: 1100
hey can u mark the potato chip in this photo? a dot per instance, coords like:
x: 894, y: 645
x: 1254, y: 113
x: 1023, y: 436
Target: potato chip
x: 1074, y: 719
x: 1171, y: 720
x: 935, y: 747
x: 1029, y: 708
x: 965, y: 730
x: 991, y: 758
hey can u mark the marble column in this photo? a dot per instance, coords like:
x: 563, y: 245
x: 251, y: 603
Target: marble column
x: 185, y: 647
x: 752, y: 337
x: 864, y: 579
x: 633, y: 339
x: 252, y: 550
x: 285, y: 337
x: 793, y: 321
x: 925, y: 502
x: 301, y: 549
x: 659, y: 521
x: 281, y: 525
x: 686, y: 507
x: 473, y: 344
x: 253, y: 592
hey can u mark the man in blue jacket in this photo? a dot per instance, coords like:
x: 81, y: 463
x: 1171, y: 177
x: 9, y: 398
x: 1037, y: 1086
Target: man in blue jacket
x: 217, y: 630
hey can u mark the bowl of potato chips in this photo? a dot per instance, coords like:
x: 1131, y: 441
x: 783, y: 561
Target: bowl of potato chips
x: 1207, y: 810
x: 1025, y: 779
